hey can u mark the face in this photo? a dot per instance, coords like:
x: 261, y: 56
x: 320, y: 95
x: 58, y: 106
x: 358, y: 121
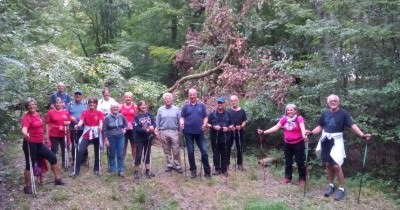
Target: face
x: 78, y: 97
x: 106, y: 95
x: 192, y: 96
x: 290, y: 112
x: 128, y: 99
x: 60, y: 87
x: 143, y: 107
x: 220, y: 106
x: 32, y: 107
x: 92, y: 105
x: 114, y: 109
x: 234, y: 102
x: 168, y: 100
x: 333, y: 103
x: 58, y: 105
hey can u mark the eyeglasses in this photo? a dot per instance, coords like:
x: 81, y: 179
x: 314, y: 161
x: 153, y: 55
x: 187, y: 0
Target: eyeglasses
x: 78, y: 94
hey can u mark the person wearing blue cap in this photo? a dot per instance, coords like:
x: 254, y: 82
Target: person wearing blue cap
x: 219, y: 123
x: 75, y: 109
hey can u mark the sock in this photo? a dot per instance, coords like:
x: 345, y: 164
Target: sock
x: 331, y: 184
x: 341, y: 189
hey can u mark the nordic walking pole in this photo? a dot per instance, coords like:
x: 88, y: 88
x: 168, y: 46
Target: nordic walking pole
x: 260, y: 142
x: 363, y: 170
x: 234, y: 140
x: 306, y: 168
x: 66, y: 163
x: 145, y: 155
x: 240, y: 150
x: 75, y: 148
x: 33, y: 183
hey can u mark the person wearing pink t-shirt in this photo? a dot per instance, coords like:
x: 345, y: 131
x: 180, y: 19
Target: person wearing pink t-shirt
x: 129, y: 110
x: 294, y: 135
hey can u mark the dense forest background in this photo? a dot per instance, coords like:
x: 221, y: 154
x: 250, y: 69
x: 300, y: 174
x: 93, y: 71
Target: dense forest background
x: 269, y: 52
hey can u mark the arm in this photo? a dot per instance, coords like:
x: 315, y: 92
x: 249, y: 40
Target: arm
x: 25, y: 133
x: 358, y: 131
x: 303, y: 130
x: 273, y: 129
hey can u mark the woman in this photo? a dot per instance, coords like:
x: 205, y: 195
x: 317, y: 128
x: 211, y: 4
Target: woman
x: 32, y: 131
x: 144, y: 127
x: 128, y: 109
x: 56, y: 121
x: 92, y: 119
x: 105, y: 102
x: 114, y: 128
x: 294, y: 135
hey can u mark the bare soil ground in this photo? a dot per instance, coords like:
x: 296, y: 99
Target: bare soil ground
x: 241, y: 190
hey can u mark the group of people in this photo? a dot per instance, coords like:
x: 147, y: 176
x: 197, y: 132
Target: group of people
x: 105, y: 122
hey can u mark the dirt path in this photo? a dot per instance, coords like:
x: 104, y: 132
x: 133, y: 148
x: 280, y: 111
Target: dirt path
x: 241, y: 190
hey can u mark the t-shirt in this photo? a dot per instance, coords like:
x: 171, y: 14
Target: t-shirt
x: 92, y: 117
x: 291, y: 129
x: 64, y: 97
x: 142, y: 122
x: 104, y: 106
x: 55, y: 120
x: 75, y: 110
x: 334, y: 122
x: 238, y: 116
x: 193, y: 115
x: 34, y: 124
x: 168, y: 118
x: 129, y: 113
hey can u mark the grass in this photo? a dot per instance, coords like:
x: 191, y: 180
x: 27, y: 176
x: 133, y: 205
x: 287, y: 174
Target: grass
x: 260, y: 204
x: 59, y: 195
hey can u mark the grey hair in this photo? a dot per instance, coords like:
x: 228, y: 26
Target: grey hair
x: 114, y: 104
x: 165, y: 95
x: 293, y: 106
x: 332, y: 96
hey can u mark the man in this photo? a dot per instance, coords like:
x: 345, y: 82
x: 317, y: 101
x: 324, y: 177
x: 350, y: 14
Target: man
x: 61, y: 94
x: 75, y: 109
x: 331, y: 144
x: 239, y: 118
x: 219, y: 122
x: 193, y: 121
x: 167, y: 130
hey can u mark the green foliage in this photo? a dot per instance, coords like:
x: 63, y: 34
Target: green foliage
x: 259, y: 204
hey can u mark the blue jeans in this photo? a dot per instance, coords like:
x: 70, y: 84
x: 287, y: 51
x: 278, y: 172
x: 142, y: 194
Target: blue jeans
x: 202, y: 144
x: 116, y: 148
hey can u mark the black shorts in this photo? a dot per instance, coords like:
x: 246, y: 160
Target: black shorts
x: 326, y: 147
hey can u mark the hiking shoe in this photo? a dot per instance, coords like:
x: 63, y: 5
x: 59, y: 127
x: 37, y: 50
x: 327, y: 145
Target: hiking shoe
x: 121, y: 174
x: 97, y: 173
x: 58, y: 182
x: 136, y: 175
x: 179, y: 170
x: 339, y: 195
x: 216, y: 173
x: 302, y: 182
x: 73, y: 175
x: 193, y: 174
x: 329, y: 191
x: 149, y: 174
x: 28, y: 190
x: 168, y: 169
x: 207, y: 175
x: 241, y: 168
x: 286, y: 181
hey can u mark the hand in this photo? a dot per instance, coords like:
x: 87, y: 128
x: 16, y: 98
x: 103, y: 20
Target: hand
x: 182, y: 125
x: 67, y: 122
x: 259, y: 131
x: 238, y: 127
x: 231, y: 127
x: 151, y: 129
x: 309, y: 133
x: 217, y: 127
x: 367, y: 136
x: 123, y: 130
x: 26, y: 136
x: 76, y: 126
x: 203, y: 127
x: 225, y: 129
x: 106, y: 142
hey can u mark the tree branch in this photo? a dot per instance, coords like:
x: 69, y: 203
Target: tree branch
x: 202, y: 74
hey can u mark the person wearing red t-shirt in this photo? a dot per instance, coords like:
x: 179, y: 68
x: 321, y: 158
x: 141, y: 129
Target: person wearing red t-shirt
x: 32, y: 131
x: 56, y: 120
x: 92, y: 119
x: 129, y: 110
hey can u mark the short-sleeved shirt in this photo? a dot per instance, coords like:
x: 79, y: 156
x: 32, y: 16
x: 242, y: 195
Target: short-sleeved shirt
x: 334, y: 122
x: 34, y: 124
x: 238, y: 116
x: 92, y: 117
x: 193, y: 115
x: 55, y: 120
x: 291, y: 129
x: 105, y: 106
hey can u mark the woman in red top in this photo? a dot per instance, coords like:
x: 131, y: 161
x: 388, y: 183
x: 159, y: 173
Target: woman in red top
x: 56, y: 121
x: 32, y: 131
x: 129, y: 109
x: 92, y: 119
